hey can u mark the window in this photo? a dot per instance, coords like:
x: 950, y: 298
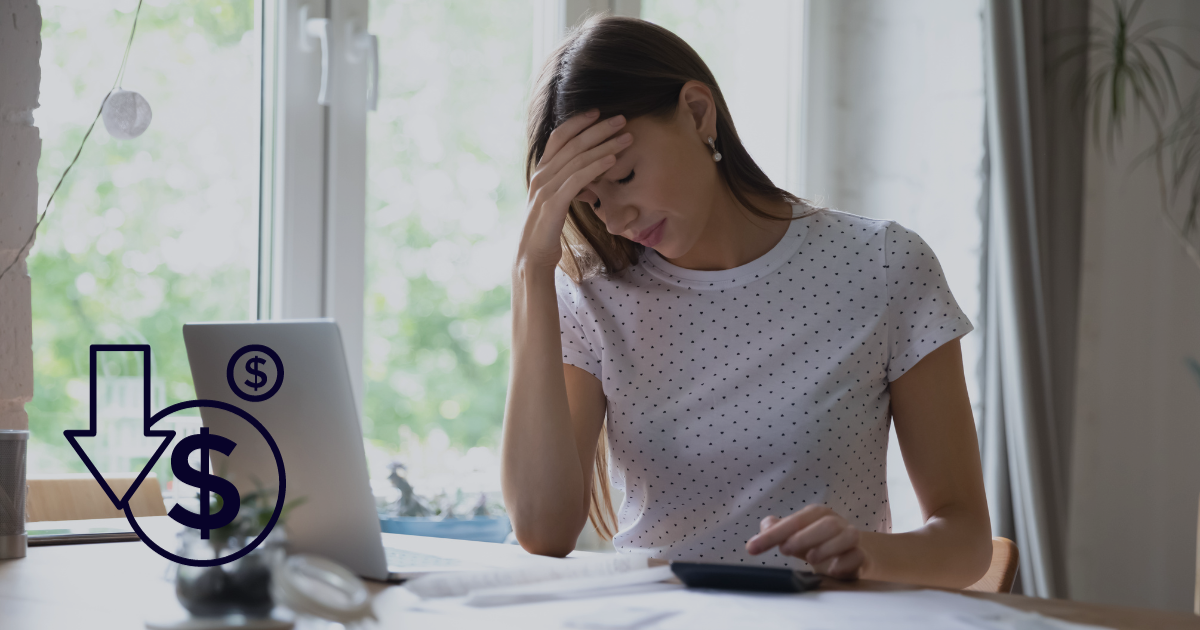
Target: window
x: 445, y: 203
x: 145, y: 234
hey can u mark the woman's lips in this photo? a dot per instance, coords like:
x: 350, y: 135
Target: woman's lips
x: 652, y: 235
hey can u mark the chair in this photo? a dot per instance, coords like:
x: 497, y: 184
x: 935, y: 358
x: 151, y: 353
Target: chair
x: 1003, y: 572
x: 78, y: 496
x: 1196, y: 605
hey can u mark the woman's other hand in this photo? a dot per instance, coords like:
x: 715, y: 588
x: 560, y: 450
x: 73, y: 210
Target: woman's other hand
x: 576, y: 153
x: 817, y: 535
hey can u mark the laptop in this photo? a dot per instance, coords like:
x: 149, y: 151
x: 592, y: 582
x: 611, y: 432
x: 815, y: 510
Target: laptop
x: 314, y: 420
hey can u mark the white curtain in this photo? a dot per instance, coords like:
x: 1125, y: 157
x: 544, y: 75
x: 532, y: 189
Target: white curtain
x: 1031, y: 270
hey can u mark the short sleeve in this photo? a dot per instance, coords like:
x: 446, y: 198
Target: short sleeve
x: 922, y: 314
x: 577, y: 349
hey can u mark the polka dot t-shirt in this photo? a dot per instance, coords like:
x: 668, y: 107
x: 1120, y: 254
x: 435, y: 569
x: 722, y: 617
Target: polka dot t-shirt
x: 742, y: 393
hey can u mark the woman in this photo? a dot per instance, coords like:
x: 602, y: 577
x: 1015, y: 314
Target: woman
x: 736, y: 352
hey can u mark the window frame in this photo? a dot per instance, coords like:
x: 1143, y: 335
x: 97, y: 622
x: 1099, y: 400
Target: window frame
x: 313, y: 209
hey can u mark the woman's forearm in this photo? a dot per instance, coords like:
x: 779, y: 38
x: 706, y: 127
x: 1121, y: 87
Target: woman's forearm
x: 541, y: 474
x: 953, y: 550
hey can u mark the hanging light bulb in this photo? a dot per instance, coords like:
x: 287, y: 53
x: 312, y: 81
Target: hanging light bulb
x: 126, y: 114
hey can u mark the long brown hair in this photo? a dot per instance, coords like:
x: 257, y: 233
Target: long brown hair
x: 627, y: 66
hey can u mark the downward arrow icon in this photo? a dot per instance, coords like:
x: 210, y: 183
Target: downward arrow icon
x: 72, y: 435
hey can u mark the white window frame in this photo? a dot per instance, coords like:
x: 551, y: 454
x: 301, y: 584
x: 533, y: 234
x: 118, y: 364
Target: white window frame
x: 314, y: 173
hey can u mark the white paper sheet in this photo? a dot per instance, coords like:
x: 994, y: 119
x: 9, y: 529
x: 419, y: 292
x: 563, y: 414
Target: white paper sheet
x: 459, y: 584
x: 701, y: 609
x: 603, y: 585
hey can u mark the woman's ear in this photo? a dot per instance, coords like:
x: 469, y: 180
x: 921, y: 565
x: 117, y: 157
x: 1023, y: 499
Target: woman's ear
x: 696, y: 100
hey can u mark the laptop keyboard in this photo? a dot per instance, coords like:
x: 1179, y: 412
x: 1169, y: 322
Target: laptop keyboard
x: 406, y: 559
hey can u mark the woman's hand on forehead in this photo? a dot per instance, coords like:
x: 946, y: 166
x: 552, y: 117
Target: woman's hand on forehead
x: 578, y: 152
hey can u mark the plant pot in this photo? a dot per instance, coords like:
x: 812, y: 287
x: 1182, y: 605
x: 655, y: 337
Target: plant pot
x: 240, y: 587
x: 480, y: 528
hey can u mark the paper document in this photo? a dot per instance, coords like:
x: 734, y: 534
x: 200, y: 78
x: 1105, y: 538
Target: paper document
x: 645, y: 607
x: 462, y: 583
x: 616, y: 618
x: 604, y: 585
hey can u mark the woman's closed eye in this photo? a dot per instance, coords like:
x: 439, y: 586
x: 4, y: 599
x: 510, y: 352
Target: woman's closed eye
x: 623, y: 180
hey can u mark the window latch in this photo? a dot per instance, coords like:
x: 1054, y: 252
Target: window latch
x: 316, y: 28
x: 360, y: 45
x: 365, y: 46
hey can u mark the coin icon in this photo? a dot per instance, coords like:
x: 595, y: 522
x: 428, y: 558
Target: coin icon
x: 255, y: 373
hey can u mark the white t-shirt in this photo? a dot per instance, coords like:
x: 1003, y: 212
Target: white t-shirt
x: 742, y: 393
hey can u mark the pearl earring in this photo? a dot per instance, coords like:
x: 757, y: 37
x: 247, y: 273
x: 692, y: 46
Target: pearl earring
x: 713, y: 145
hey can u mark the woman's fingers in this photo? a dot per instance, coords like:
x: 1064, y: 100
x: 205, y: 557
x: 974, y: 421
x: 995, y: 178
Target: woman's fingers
x: 564, y: 132
x: 540, y: 240
x: 575, y: 183
x: 575, y: 154
x: 817, y: 535
x: 800, y: 543
x: 583, y: 160
x: 843, y: 540
x: 782, y: 529
x: 846, y: 566
x: 550, y: 166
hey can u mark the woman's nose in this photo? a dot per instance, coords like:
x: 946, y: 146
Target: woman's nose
x: 617, y: 219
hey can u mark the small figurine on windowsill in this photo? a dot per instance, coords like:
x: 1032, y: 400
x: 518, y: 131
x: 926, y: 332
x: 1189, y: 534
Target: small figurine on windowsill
x: 443, y: 515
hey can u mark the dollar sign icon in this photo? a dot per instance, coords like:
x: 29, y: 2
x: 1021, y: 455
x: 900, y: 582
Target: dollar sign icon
x: 208, y: 483
x: 252, y: 367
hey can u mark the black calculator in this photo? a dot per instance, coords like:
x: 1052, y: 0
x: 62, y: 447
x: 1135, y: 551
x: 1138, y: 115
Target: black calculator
x: 742, y: 578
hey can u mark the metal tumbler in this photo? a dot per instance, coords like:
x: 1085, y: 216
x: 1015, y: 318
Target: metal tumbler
x: 12, y: 493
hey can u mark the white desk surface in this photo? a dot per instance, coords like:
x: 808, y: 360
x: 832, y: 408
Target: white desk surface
x: 120, y: 585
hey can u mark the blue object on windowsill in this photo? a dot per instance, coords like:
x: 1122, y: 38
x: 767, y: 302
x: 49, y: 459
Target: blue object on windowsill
x: 480, y: 528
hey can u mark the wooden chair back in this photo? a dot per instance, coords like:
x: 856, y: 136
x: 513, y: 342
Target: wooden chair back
x: 1003, y: 572
x: 79, y: 496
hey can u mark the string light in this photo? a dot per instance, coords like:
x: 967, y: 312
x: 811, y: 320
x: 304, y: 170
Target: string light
x: 126, y: 115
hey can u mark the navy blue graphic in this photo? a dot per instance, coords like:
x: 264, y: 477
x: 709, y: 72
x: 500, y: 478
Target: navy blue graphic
x: 216, y: 404
x: 254, y: 368
x: 72, y: 435
x: 204, y: 442
x: 231, y: 501
x: 260, y: 378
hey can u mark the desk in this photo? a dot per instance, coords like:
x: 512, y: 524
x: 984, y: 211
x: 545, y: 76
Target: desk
x: 119, y: 585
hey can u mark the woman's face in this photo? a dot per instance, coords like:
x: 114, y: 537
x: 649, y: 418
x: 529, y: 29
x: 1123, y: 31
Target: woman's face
x: 661, y: 189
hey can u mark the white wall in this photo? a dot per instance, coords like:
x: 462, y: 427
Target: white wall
x: 895, y: 131
x: 1136, y: 463
x: 20, y: 149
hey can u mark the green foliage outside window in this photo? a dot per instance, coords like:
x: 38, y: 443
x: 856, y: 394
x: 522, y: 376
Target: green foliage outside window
x: 446, y: 197
x: 150, y: 233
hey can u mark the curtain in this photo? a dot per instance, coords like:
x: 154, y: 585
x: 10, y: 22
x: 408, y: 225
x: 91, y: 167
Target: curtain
x: 1033, y: 207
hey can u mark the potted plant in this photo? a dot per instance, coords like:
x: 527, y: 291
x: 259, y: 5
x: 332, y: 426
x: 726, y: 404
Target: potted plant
x: 1130, y: 73
x: 243, y: 586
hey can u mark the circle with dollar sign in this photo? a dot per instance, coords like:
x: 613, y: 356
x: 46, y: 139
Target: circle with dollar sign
x: 257, y: 376
x: 224, y: 446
